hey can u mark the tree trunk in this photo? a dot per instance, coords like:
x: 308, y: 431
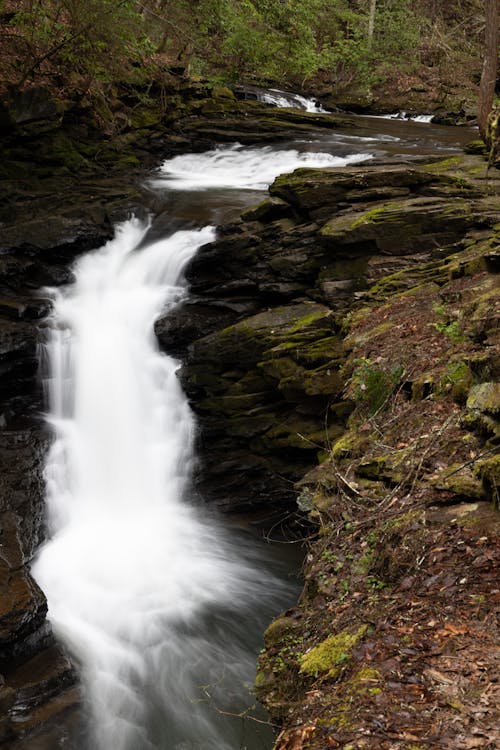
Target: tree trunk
x: 490, y: 65
x: 371, y: 21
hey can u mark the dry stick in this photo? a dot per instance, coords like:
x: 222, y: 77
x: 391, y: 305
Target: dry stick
x: 242, y: 715
x: 472, y: 461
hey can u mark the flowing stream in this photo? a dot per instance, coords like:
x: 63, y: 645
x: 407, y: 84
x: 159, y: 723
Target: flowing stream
x: 161, y: 606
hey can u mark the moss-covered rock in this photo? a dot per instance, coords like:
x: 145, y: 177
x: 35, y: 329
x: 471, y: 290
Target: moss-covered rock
x: 330, y: 656
x: 459, y: 480
x: 488, y: 470
x: 485, y: 397
x: 401, y: 227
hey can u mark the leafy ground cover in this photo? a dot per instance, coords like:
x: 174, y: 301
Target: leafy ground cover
x: 394, y: 643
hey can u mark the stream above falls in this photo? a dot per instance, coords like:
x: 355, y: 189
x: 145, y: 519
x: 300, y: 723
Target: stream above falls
x: 161, y: 602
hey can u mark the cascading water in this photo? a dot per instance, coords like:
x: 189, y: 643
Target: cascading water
x: 285, y: 99
x: 134, y: 575
x: 242, y: 167
x: 404, y: 116
x: 159, y: 606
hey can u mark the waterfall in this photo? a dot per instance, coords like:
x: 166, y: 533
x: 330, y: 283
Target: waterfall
x: 162, y: 609
x: 143, y: 587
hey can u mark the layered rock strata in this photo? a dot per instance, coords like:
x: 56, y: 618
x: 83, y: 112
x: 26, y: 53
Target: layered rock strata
x: 263, y: 335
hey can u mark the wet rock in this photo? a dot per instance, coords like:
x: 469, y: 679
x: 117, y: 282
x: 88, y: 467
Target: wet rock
x: 245, y: 380
x: 249, y: 121
x: 31, y: 105
x: 319, y: 193
x: 175, y: 331
x: 22, y: 610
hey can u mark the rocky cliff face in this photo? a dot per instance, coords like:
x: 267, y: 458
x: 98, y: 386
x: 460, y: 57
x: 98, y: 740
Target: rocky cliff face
x: 271, y: 304
x: 26, y: 643
x: 345, y: 333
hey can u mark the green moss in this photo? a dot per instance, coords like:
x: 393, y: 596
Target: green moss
x: 488, y: 471
x: 399, y: 522
x: 391, y: 467
x: 61, y: 150
x: 357, y: 339
x: 451, y: 163
x: 329, y: 657
x: 476, y: 147
x: 485, y: 397
x: 263, y: 680
x: 375, y: 214
x: 307, y: 320
x: 349, y: 445
x: 146, y: 118
x: 371, y: 384
x: 457, y: 479
x: 365, y: 681
x: 278, y: 629
x: 127, y: 160
x: 456, y: 380
x: 322, y: 350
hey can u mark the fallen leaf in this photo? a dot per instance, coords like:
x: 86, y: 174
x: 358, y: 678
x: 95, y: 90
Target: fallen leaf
x: 455, y: 630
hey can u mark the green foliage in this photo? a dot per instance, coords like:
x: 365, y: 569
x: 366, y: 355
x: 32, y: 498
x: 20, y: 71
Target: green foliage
x: 80, y: 43
x: 293, y: 40
x: 397, y: 31
x: 371, y: 384
x: 447, y: 326
x: 84, y: 46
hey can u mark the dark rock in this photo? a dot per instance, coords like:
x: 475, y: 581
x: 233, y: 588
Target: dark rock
x: 178, y: 329
x: 22, y: 611
x: 32, y: 105
x: 250, y: 121
x: 401, y: 228
x: 320, y: 193
x: 244, y: 380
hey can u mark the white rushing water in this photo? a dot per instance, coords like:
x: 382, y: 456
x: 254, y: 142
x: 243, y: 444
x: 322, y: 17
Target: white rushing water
x: 243, y: 167
x: 131, y: 571
x: 404, y: 116
x: 282, y: 99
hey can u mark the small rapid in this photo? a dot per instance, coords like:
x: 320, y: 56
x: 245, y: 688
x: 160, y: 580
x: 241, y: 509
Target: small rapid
x: 283, y: 99
x: 242, y: 167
